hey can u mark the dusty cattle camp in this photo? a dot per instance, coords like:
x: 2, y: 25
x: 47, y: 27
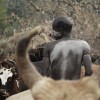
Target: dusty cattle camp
x: 56, y: 79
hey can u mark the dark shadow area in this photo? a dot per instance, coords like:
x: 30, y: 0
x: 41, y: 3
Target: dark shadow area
x: 36, y: 55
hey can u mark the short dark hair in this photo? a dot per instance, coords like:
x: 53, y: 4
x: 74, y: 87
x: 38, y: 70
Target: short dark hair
x: 62, y: 24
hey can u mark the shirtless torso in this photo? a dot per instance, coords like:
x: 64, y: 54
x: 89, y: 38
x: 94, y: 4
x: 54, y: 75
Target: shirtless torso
x: 62, y: 59
x: 66, y: 58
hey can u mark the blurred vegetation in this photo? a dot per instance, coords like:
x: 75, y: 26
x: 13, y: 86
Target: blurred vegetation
x: 3, y: 16
x: 21, y: 15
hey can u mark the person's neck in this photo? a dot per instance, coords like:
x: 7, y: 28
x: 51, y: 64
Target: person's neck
x: 65, y: 35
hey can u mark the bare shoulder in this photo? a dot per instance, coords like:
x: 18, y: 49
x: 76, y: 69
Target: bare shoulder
x: 84, y: 42
x: 86, y: 47
x: 49, y: 46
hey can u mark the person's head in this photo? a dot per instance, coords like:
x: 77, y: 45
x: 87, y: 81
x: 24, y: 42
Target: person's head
x: 62, y: 24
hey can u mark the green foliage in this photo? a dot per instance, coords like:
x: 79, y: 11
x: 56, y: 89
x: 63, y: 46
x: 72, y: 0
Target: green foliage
x: 3, y: 16
x: 9, y: 31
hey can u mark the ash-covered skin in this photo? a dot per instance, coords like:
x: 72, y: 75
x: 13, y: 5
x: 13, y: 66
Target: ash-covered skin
x: 63, y: 58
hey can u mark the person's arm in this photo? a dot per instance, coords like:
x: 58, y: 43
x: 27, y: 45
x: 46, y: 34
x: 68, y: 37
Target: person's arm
x: 39, y: 66
x: 87, y: 62
x: 43, y: 66
x: 46, y: 60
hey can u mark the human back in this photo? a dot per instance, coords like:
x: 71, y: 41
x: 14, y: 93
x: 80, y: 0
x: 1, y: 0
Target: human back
x: 66, y: 59
x: 63, y: 58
